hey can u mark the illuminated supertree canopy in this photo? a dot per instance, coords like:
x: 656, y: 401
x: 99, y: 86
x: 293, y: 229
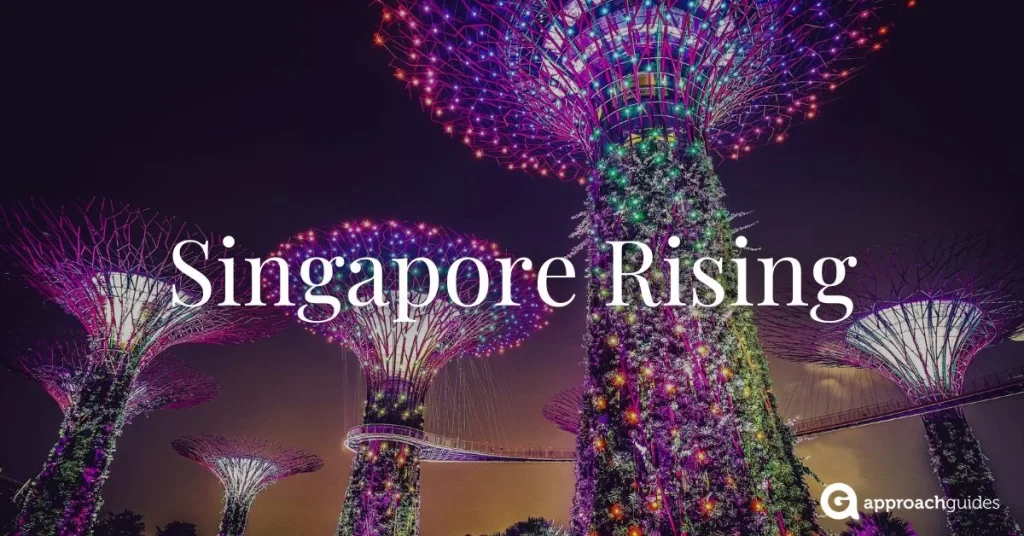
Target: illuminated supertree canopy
x: 630, y: 99
x: 922, y: 311
x: 565, y: 410
x: 62, y: 368
x: 399, y: 359
x: 245, y: 467
x: 111, y: 267
x: 543, y: 84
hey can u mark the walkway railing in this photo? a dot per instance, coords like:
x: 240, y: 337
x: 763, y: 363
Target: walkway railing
x: 8, y: 483
x: 991, y: 387
x: 437, y: 448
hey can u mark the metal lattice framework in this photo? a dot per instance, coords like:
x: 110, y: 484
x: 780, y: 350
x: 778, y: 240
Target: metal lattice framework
x: 61, y: 368
x: 541, y: 85
x: 410, y: 354
x: 564, y: 410
x: 246, y: 466
x: 111, y: 267
x: 922, y: 312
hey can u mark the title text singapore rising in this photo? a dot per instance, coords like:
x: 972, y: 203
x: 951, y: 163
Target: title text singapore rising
x: 630, y: 280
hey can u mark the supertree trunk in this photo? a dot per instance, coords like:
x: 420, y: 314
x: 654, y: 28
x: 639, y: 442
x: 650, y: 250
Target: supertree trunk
x: 64, y: 498
x: 235, y: 516
x: 960, y: 465
x: 679, y: 420
x: 768, y: 441
x: 383, y: 495
x: 586, y: 455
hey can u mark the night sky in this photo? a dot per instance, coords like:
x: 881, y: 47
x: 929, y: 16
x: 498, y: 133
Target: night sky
x: 261, y: 121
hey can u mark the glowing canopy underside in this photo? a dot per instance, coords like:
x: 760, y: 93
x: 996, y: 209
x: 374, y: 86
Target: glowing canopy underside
x: 403, y: 350
x: 245, y: 466
x: 134, y: 306
x: 245, y: 477
x: 924, y: 344
x: 442, y: 330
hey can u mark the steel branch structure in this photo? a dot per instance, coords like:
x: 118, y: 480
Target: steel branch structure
x: 245, y: 467
x: 400, y: 359
x: 631, y: 99
x: 111, y: 267
x: 922, y: 311
x: 565, y: 410
x: 62, y: 368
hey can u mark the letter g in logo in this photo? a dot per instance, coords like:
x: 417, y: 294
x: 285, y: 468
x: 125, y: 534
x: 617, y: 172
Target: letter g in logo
x: 843, y: 496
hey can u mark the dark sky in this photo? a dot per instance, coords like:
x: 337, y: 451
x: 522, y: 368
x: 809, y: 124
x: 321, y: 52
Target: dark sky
x: 263, y: 120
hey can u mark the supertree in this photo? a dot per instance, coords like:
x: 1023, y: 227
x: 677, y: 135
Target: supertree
x: 111, y: 267
x: 401, y: 359
x: 61, y: 368
x: 921, y: 312
x: 245, y: 467
x: 565, y: 410
x: 632, y: 99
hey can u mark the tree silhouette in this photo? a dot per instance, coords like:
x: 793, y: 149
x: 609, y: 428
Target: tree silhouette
x: 177, y: 528
x: 126, y: 523
x: 534, y: 526
x: 879, y: 524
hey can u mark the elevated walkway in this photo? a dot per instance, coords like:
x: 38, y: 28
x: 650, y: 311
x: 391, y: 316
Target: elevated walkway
x: 991, y: 387
x: 436, y: 448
